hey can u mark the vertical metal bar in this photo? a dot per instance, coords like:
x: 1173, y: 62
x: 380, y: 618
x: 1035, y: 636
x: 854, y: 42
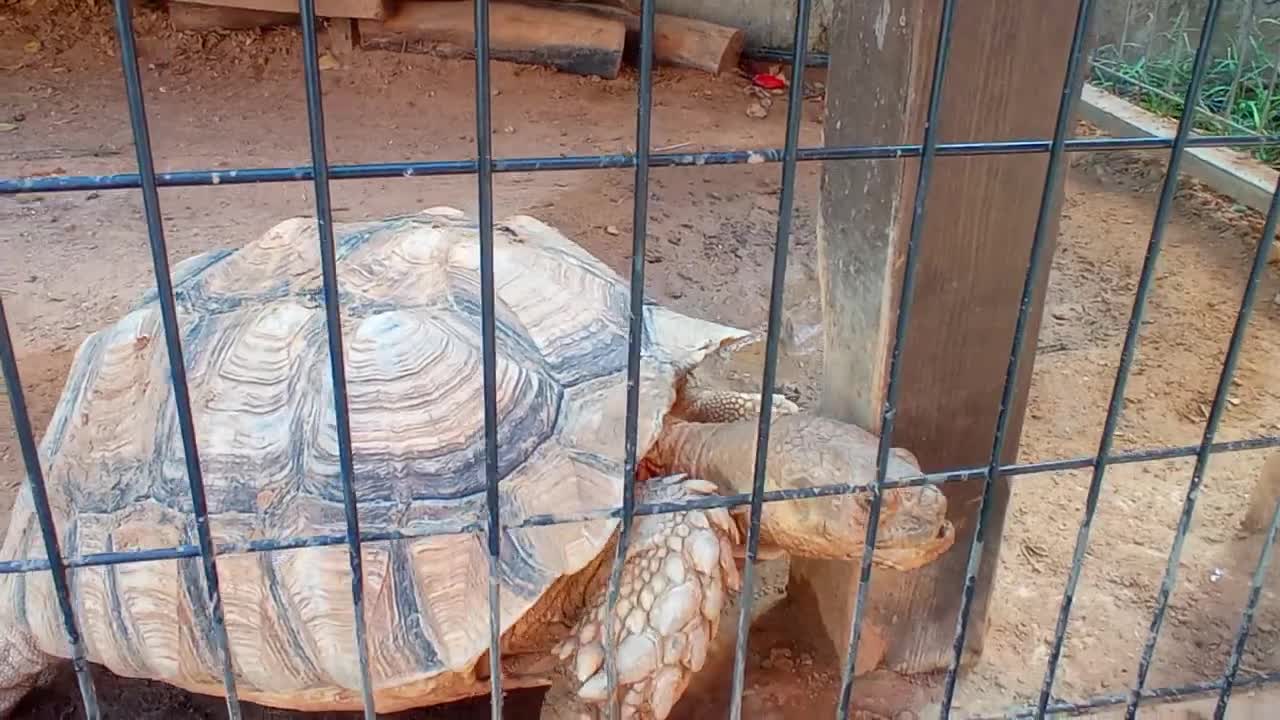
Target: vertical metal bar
x: 1044, y: 220
x: 1264, y: 559
x: 173, y: 342
x: 44, y: 515
x: 1185, y: 123
x: 333, y: 323
x: 889, y: 412
x: 489, y: 353
x: 639, y: 228
x: 777, y: 292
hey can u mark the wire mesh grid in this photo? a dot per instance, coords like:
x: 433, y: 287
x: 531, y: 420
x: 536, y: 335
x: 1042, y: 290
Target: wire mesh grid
x: 1150, y: 62
x: 320, y: 172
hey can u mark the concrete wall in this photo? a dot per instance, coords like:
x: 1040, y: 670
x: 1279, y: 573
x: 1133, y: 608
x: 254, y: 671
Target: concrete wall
x: 768, y: 23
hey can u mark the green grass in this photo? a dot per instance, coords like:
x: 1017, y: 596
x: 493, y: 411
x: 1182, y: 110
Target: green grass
x: 1158, y: 84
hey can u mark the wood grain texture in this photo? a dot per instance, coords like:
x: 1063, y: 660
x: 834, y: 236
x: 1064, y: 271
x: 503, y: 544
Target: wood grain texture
x: 253, y: 332
x: 191, y: 16
x: 538, y: 35
x: 370, y: 9
x: 1007, y: 62
x: 677, y: 41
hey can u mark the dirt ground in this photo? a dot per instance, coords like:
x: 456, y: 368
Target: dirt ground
x: 70, y: 262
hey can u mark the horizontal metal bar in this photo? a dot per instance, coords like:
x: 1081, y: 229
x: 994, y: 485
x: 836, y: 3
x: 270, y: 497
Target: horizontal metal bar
x: 432, y: 168
x: 722, y: 501
x: 1158, y: 695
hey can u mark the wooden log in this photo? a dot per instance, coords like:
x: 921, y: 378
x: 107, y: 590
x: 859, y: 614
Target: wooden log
x: 559, y: 38
x: 678, y: 41
x: 364, y: 9
x: 192, y: 17
x: 632, y: 7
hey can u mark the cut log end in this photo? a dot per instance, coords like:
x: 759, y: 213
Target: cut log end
x: 677, y: 41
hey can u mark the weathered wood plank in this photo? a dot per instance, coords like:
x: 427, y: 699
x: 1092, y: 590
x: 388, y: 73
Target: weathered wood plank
x: 568, y: 41
x: 368, y: 9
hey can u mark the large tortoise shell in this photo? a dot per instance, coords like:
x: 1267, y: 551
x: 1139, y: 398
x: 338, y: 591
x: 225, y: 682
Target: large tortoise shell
x: 254, y: 337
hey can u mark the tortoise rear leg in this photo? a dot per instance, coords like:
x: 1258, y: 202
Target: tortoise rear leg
x: 677, y: 574
x: 705, y: 405
x: 23, y: 667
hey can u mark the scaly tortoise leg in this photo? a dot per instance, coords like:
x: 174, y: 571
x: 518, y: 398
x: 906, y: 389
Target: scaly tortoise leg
x: 716, y: 406
x: 677, y: 574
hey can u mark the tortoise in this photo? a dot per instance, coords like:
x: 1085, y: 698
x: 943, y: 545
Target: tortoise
x: 253, y: 328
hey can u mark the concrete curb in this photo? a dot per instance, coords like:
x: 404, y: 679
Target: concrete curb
x: 1227, y: 171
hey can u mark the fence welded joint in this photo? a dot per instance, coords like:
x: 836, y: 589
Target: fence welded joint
x: 431, y: 168
x: 333, y: 333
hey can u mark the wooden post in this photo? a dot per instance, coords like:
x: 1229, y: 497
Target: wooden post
x: 1004, y: 81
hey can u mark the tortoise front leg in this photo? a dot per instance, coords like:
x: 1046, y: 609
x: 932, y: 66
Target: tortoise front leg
x: 705, y: 405
x: 677, y: 574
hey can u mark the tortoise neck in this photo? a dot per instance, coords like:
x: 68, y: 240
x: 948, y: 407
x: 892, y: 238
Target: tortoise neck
x: 701, y: 450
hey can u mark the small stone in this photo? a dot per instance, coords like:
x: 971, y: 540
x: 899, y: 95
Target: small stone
x: 636, y: 620
x: 646, y: 599
x: 328, y: 62
x: 757, y: 110
x: 612, y: 230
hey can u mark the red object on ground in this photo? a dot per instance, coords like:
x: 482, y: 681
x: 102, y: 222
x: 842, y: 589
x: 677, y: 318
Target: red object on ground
x: 769, y: 81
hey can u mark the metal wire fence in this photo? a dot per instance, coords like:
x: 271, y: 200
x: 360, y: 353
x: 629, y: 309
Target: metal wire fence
x: 320, y: 172
x: 1147, y: 53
